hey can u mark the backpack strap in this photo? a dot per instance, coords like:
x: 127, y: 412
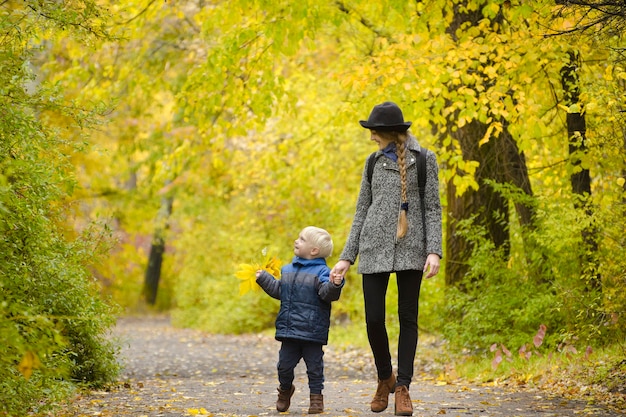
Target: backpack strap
x: 421, y: 173
x: 371, y: 161
x: 421, y: 179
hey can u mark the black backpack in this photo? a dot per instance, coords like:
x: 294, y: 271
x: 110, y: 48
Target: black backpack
x: 421, y: 178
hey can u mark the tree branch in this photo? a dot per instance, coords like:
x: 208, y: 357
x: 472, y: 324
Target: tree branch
x: 366, y: 23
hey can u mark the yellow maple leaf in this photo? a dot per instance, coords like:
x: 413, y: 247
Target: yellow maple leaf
x: 272, y: 265
x: 247, y: 272
x: 247, y: 275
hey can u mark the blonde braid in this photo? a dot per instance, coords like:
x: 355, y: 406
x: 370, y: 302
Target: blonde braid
x: 401, y: 153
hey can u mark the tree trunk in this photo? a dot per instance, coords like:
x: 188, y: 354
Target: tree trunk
x: 157, y: 249
x: 458, y: 248
x: 488, y: 207
x: 622, y: 85
x: 500, y: 162
x: 580, y: 178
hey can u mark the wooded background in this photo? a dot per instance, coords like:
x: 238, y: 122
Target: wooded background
x: 149, y: 148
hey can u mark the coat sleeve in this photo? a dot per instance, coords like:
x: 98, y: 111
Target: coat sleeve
x: 432, y: 204
x: 269, y: 284
x: 351, y: 249
x: 328, y: 291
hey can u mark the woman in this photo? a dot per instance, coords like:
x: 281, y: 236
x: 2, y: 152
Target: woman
x: 389, y: 234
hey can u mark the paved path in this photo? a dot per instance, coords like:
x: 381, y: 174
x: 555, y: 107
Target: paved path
x: 181, y: 372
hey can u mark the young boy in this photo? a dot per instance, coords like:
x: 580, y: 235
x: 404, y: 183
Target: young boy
x: 305, y: 291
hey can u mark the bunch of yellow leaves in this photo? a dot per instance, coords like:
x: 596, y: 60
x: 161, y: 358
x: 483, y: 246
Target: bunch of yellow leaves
x: 247, y: 272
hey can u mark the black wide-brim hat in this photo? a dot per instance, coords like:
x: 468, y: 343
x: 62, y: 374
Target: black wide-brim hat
x: 386, y: 117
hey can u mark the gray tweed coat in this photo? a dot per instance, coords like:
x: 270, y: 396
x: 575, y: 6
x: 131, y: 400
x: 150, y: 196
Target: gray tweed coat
x: 373, y: 233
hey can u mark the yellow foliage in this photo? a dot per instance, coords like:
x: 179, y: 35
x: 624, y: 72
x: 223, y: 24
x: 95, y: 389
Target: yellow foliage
x: 247, y: 272
x: 497, y: 126
x: 29, y: 362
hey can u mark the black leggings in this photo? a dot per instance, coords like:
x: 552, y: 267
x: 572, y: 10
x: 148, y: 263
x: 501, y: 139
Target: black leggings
x: 374, y: 292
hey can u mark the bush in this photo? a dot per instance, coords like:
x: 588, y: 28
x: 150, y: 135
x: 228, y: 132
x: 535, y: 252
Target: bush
x: 505, y: 299
x: 52, y: 321
x: 497, y: 303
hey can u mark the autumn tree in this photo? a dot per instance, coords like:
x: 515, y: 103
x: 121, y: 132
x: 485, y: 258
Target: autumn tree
x: 580, y: 176
x: 592, y: 16
x: 484, y: 137
x: 598, y: 24
x: 53, y: 322
x: 587, y: 21
x: 243, y: 115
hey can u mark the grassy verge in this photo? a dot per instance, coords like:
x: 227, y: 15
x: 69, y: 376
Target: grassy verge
x: 596, y: 377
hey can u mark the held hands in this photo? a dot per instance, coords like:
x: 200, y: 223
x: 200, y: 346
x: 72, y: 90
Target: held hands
x: 336, y: 279
x: 338, y: 273
x: 432, y: 265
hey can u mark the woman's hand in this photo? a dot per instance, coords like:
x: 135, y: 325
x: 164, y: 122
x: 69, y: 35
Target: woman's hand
x: 432, y: 265
x: 339, y: 270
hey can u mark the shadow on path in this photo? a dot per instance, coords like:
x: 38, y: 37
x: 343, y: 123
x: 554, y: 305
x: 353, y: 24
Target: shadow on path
x: 182, y: 372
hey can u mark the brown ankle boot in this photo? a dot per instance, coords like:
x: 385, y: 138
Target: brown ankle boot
x: 404, y: 407
x: 317, y: 404
x: 284, y: 398
x: 381, y: 398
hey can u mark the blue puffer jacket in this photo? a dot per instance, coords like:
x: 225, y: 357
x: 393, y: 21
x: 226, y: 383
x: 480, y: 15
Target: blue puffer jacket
x: 305, y: 293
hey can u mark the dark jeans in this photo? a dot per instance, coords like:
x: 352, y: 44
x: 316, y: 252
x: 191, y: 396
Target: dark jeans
x: 374, y: 292
x: 288, y: 357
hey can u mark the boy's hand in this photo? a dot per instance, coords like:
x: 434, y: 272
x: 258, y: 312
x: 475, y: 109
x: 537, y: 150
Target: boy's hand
x: 339, y: 270
x: 336, y: 279
x: 258, y: 273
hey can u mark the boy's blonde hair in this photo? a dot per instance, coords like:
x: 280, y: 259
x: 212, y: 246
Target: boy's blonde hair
x: 320, y: 239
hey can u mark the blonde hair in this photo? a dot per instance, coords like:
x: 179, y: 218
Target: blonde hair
x: 400, y: 139
x: 320, y: 239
